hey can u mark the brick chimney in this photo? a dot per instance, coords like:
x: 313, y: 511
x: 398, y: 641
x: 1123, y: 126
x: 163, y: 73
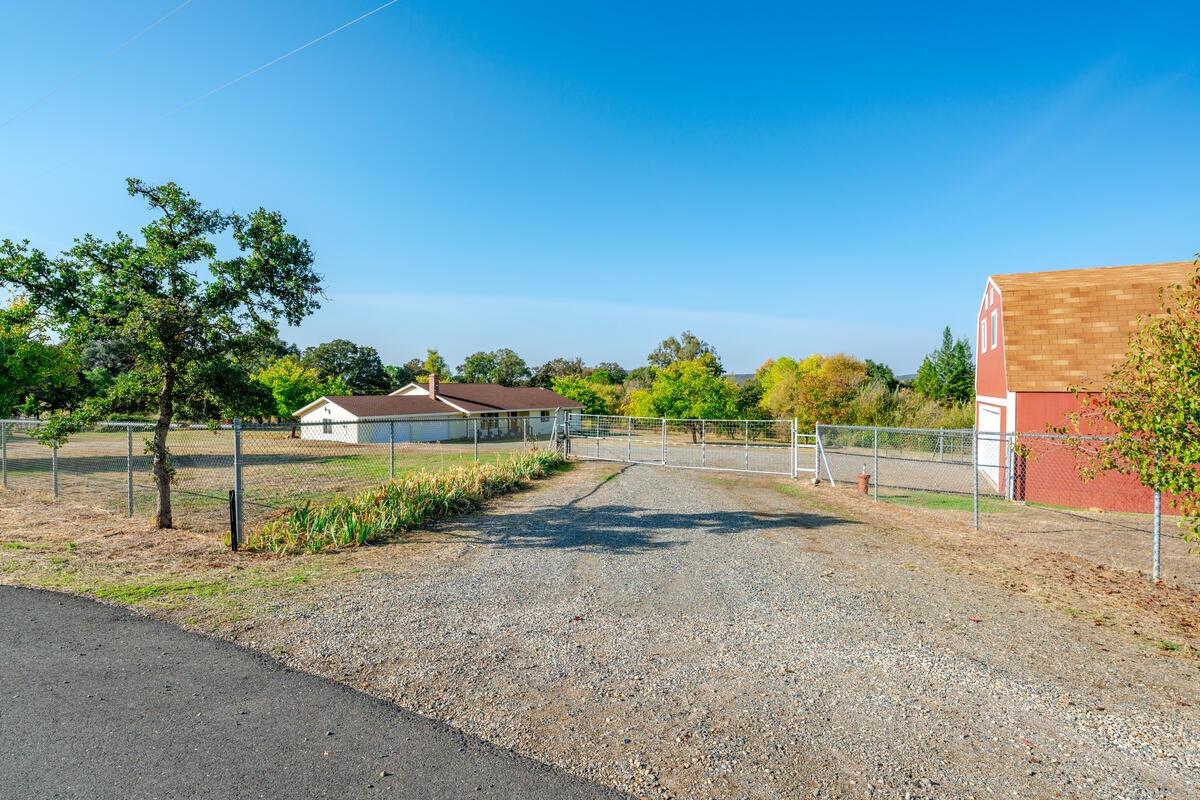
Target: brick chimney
x: 433, y: 386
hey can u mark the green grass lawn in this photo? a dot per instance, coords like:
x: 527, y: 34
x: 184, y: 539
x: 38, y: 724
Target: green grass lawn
x: 940, y: 501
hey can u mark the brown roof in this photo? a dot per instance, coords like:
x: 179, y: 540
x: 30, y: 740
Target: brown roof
x: 492, y: 397
x: 1070, y: 328
x: 373, y: 405
x: 472, y: 397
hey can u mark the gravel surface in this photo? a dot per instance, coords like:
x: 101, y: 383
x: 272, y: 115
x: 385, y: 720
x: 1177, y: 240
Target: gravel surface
x: 673, y: 634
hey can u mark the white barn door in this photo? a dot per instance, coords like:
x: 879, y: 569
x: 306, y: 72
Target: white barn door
x: 989, y: 444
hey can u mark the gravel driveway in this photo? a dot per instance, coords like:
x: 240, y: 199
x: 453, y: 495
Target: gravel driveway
x: 672, y: 633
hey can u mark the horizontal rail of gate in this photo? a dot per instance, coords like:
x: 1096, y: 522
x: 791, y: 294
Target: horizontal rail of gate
x: 770, y: 447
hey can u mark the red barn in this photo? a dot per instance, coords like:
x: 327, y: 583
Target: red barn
x: 1041, y: 334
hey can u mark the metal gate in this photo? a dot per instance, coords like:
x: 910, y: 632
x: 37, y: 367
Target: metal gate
x: 764, y: 446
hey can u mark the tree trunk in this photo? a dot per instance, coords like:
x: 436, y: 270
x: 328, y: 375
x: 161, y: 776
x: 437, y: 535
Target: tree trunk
x: 159, y: 454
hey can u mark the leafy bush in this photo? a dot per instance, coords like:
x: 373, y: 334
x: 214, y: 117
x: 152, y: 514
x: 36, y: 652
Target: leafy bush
x: 403, y: 504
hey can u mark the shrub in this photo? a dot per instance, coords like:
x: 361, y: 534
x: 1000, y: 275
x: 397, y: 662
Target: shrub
x: 403, y: 504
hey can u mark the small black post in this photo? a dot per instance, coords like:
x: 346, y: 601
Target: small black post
x: 233, y: 531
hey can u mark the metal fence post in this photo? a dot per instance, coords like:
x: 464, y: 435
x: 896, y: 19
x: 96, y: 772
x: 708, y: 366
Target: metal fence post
x: 596, y: 423
x: 1157, y: 536
x: 702, y: 426
x: 875, y: 469
x: 392, y: 448
x: 475, y: 436
x: 1010, y: 463
x: 524, y: 433
x: 795, y: 449
x: 238, y: 511
x: 629, y: 438
x: 664, y: 441
x: 129, y: 469
x: 816, y: 455
x: 4, y: 454
x: 54, y: 468
x: 975, y: 475
x: 746, y: 437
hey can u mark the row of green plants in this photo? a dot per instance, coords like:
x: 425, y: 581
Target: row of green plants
x: 408, y: 502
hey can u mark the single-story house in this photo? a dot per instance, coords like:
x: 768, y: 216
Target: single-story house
x: 433, y: 413
x: 1041, y: 336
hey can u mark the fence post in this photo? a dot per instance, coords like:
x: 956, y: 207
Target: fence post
x: 795, y: 449
x: 702, y: 431
x: 664, y: 441
x: 129, y: 469
x: 4, y: 454
x: 823, y: 458
x: 238, y: 510
x: 975, y: 475
x: 524, y: 433
x: 629, y: 439
x: 54, y: 468
x: 875, y: 469
x: 392, y: 448
x: 475, y: 436
x: 1157, y: 535
x: 816, y: 453
x: 1010, y: 463
x: 746, y: 436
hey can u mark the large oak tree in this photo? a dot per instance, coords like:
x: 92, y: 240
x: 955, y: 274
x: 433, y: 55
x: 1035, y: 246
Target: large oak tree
x: 188, y: 317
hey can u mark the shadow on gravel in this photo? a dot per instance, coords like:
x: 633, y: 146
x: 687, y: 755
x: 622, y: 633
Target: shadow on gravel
x: 626, y: 529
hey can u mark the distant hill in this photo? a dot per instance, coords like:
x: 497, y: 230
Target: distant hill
x: 740, y: 377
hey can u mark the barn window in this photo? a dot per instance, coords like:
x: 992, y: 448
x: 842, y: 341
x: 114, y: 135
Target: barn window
x: 983, y: 340
x: 995, y: 331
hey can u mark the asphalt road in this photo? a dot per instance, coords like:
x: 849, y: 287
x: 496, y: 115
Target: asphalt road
x: 96, y: 702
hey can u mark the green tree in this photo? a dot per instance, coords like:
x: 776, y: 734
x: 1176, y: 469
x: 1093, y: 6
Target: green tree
x: 948, y: 373
x: 477, y: 368
x: 181, y: 327
x: 292, y: 385
x: 556, y: 368
x: 609, y: 373
x: 433, y: 364
x: 687, y: 347
x: 581, y: 390
x: 35, y: 374
x: 398, y: 376
x: 1150, y: 407
x: 882, y: 373
x: 511, y: 369
x: 359, y: 367
x: 692, y: 389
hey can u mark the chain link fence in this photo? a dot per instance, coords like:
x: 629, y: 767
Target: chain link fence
x: 271, y: 467
x: 1005, y: 482
x: 767, y: 446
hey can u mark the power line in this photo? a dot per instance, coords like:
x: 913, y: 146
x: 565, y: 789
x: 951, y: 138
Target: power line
x: 93, y: 64
x: 276, y: 60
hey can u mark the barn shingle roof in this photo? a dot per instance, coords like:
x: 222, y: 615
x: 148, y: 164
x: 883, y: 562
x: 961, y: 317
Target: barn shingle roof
x: 1070, y: 328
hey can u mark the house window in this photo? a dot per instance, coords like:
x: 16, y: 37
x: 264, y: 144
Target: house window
x: 983, y: 340
x: 545, y: 413
x: 327, y: 426
x: 995, y: 331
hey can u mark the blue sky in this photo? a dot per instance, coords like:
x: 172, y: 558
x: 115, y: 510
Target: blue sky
x: 586, y: 179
